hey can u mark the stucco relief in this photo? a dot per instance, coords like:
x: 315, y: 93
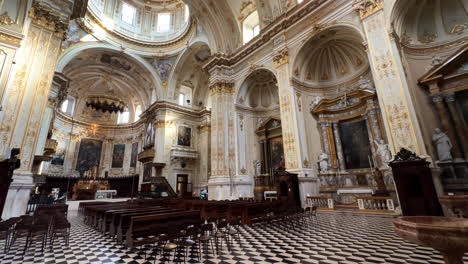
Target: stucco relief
x: 389, y: 85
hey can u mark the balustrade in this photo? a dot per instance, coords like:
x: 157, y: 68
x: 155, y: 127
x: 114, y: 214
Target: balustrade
x: 376, y: 204
x: 322, y: 202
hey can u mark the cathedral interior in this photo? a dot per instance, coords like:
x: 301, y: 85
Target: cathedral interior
x: 234, y: 131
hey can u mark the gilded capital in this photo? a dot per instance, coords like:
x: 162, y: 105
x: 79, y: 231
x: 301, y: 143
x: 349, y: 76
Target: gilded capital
x: 281, y: 57
x: 367, y: 7
x: 44, y: 17
x: 222, y: 87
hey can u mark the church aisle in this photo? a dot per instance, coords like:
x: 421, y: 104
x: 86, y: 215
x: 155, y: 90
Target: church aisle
x: 330, y: 239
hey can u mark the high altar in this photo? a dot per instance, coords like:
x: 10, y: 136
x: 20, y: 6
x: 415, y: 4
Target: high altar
x: 351, y: 132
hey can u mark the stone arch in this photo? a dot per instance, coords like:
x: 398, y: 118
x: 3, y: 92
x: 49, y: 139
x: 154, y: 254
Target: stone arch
x: 69, y: 54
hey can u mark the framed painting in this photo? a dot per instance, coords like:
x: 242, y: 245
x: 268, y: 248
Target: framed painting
x: 118, y: 155
x: 133, y: 157
x: 355, y: 143
x: 89, y: 154
x: 276, y: 153
x: 184, y: 136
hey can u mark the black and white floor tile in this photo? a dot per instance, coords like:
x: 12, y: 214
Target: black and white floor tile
x: 333, y: 238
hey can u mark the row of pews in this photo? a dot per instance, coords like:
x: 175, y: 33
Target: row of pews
x: 140, y: 222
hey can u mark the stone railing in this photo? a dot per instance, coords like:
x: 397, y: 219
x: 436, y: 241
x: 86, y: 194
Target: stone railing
x: 322, y: 202
x: 376, y: 204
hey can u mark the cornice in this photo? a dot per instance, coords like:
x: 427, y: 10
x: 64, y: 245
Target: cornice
x: 282, y: 23
x: 179, y: 40
x: 165, y: 105
x: 69, y: 119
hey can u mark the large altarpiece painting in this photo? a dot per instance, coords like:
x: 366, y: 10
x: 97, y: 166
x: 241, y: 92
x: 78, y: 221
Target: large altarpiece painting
x: 355, y: 143
x: 89, y: 154
x: 118, y: 156
x: 271, y: 142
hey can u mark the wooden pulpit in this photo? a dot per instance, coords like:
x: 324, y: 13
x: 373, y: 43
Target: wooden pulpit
x: 287, y: 187
x: 415, y: 188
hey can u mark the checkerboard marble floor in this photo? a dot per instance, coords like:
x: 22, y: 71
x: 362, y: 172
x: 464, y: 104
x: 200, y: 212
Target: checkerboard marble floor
x: 332, y: 238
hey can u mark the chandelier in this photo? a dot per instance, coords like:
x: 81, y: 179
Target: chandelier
x: 106, y: 104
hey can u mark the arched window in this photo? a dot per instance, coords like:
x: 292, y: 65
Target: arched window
x: 185, y: 96
x: 68, y: 105
x: 123, y: 117
x: 300, y: 1
x: 251, y: 27
x: 164, y: 22
x: 137, y: 112
x: 128, y: 13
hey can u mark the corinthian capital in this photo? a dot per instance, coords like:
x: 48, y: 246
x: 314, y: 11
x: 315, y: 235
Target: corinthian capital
x: 44, y: 16
x: 281, y: 57
x: 222, y: 86
x: 367, y: 7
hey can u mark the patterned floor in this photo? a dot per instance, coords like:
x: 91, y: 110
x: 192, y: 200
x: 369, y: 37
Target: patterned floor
x: 332, y: 239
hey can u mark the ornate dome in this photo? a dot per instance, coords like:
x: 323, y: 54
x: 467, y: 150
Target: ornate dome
x: 429, y: 22
x: 145, y: 21
x: 331, y: 57
x: 259, y: 90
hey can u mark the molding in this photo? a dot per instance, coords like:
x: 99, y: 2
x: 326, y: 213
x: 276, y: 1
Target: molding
x: 46, y: 18
x: 366, y: 8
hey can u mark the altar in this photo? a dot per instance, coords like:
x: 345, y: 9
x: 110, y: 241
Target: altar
x: 354, y: 159
x: 105, y: 194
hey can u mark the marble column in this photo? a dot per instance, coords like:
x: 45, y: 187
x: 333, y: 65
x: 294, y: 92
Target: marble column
x: 460, y: 126
x: 339, y: 148
x: 398, y: 112
x: 447, y: 127
x: 222, y: 140
x: 326, y: 144
x: 26, y: 99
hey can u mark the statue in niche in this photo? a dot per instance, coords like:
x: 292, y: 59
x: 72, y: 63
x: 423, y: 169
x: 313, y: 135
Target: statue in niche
x: 443, y: 145
x: 258, y: 167
x: 383, y: 152
x: 323, y: 161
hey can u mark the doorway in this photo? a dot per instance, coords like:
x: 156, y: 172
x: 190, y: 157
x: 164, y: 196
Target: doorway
x: 182, y: 184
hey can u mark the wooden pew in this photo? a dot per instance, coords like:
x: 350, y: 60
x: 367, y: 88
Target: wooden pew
x: 109, y: 215
x: 143, y: 228
x: 83, y: 205
x: 122, y: 225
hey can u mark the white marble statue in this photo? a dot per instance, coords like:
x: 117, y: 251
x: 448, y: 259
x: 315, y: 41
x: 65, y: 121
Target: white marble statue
x: 258, y: 167
x: 383, y: 152
x: 323, y: 161
x: 443, y: 145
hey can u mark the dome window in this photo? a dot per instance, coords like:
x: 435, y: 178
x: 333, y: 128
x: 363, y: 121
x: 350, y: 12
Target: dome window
x: 128, y: 13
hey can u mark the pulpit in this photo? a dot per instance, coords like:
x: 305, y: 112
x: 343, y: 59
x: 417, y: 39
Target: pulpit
x: 287, y: 187
x: 415, y: 188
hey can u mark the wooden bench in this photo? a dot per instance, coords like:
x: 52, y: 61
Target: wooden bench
x: 144, y: 229
x: 121, y: 225
x: 109, y: 215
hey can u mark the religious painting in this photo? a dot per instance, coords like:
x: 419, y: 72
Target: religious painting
x: 118, y: 156
x: 355, y: 143
x: 133, y: 157
x: 89, y: 155
x: 163, y: 67
x: 184, y: 136
x: 147, y: 170
x: 276, y: 153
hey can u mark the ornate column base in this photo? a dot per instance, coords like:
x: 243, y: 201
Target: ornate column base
x: 18, y: 195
